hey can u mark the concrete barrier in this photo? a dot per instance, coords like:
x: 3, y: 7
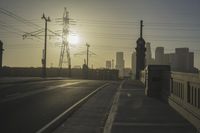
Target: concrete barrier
x: 157, y: 81
x: 185, y: 96
x: 180, y: 90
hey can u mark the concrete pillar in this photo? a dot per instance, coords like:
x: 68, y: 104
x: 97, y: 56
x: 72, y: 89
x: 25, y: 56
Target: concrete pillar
x: 158, y: 81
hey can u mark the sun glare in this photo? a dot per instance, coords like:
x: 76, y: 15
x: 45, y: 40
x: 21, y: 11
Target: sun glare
x: 73, y: 39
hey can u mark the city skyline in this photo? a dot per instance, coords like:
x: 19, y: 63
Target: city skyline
x: 108, y: 26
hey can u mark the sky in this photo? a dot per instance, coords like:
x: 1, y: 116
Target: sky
x: 107, y: 25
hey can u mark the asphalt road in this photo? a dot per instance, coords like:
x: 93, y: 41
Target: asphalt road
x: 27, y: 107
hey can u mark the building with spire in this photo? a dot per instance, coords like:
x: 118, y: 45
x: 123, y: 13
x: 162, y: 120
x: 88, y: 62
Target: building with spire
x: 140, y: 52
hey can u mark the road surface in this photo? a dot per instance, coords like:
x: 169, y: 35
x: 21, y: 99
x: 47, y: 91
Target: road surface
x: 27, y: 107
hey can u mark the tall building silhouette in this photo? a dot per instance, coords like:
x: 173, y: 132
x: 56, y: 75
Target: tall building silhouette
x: 140, y: 53
x: 159, y: 56
x: 149, y: 59
x: 133, y: 64
x: 120, y: 63
x: 182, y: 60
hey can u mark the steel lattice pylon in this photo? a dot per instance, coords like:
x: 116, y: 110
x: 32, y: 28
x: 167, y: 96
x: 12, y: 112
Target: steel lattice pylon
x: 65, y: 43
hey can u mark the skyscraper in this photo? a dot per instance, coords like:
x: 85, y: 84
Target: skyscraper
x: 133, y: 64
x: 149, y: 59
x: 159, y: 55
x: 120, y: 63
x: 182, y: 60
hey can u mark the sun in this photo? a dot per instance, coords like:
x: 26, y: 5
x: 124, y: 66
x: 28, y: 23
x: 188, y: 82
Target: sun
x: 73, y: 39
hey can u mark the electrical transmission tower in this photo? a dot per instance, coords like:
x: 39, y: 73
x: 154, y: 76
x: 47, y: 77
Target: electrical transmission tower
x: 65, y: 43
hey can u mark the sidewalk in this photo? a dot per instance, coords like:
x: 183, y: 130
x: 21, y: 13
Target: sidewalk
x: 137, y: 113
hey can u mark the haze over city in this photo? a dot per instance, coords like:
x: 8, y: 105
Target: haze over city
x: 108, y: 26
x: 99, y: 66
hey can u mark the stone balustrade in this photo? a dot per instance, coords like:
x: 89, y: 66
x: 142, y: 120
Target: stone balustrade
x: 180, y: 90
x: 185, y: 95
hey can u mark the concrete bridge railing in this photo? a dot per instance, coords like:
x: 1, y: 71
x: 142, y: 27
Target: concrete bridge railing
x: 180, y: 90
x: 185, y: 96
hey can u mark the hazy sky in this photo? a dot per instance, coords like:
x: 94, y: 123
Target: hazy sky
x: 107, y: 25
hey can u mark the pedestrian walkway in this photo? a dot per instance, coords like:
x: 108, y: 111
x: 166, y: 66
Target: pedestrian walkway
x: 137, y: 113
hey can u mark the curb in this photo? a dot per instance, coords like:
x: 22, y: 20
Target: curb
x: 113, y: 110
x: 63, y: 116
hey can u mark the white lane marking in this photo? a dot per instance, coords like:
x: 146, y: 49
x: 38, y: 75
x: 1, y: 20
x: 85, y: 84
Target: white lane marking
x: 22, y: 95
x: 129, y: 95
x: 68, y: 111
x: 113, y: 111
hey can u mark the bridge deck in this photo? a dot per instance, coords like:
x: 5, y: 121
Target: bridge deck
x: 141, y: 114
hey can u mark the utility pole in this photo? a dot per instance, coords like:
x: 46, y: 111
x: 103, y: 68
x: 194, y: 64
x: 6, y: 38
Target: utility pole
x: 1, y: 53
x: 87, y: 45
x: 44, y: 59
x: 112, y: 64
x: 88, y: 53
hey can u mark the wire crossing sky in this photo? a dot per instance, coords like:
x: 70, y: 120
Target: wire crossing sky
x: 107, y: 25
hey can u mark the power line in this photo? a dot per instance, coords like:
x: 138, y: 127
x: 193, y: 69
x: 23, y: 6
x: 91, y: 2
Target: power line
x: 110, y: 24
x: 18, y: 18
x: 22, y: 20
x: 121, y: 25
